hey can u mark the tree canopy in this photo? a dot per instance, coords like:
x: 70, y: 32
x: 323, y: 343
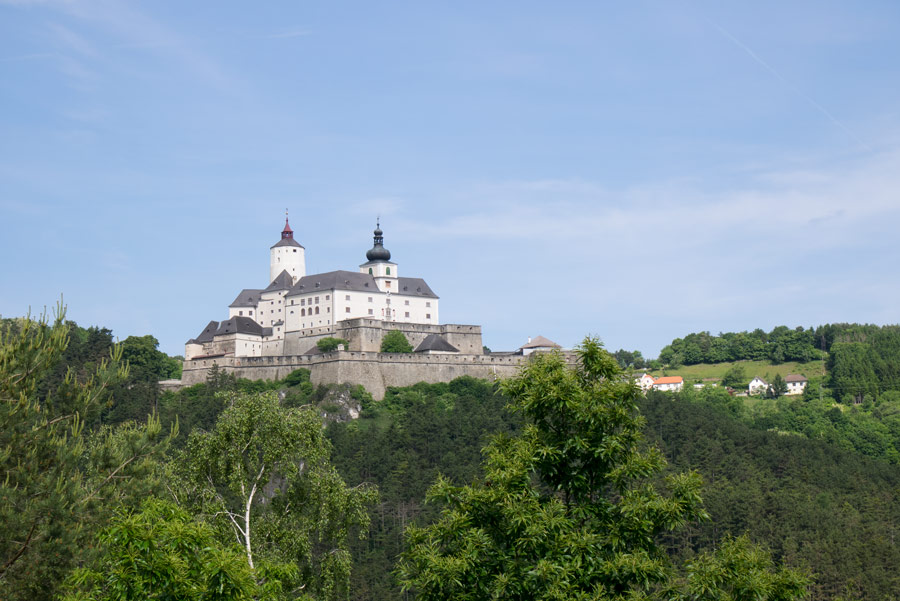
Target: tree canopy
x: 395, y: 342
x: 567, y: 511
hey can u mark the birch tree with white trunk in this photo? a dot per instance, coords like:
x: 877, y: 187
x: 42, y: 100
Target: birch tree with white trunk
x: 262, y: 476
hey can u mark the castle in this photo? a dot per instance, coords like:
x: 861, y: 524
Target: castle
x: 271, y: 331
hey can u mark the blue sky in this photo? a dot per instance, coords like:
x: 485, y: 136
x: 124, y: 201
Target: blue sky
x: 636, y: 171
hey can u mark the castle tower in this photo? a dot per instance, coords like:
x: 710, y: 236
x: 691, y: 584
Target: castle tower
x: 379, y: 263
x: 287, y: 255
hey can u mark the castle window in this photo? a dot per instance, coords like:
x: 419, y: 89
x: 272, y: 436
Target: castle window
x: 295, y: 250
x: 387, y: 284
x: 346, y: 309
x: 347, y: 297
x: 302, y: 302
x: 371, y: 312
x: 388, y: 271
x: 303, y: 312
x: 370, y: 271
x: 428, y: 316
x: 387, y: 301
x: 317, y: 310
x: 317, y: 300
x: 406, y: 302
x: 407, y: 314
x: 328, y: 309
x: 370, y: 299
x: 240, y: 312
x: 327, y: 297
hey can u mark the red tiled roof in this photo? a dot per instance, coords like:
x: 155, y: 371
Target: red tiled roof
x: 669, y: 380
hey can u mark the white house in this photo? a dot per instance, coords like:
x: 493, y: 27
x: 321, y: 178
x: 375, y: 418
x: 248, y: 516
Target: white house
x: 796, y: 384
x: 645, y: 381
x: 671, y: 383
x: 757, y: 386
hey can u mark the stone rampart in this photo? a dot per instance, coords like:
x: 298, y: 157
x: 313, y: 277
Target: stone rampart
x: 376, y: 371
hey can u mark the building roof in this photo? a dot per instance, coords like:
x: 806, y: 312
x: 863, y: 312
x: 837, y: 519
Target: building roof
x: 287, y: 242
x: 760, y: 379
x: 540, y: 342
x: 287, y: 235
x: 207, y: 334
x: 414, y: 287
x: 669, y: 380
x: 378, y: 252
x: 248, y: 297
x: 361, y: 282
x: 239, y: 325
x: 434, y: 342
x: 335, y: 280
x: 795, y: 378
x: 282, y: 281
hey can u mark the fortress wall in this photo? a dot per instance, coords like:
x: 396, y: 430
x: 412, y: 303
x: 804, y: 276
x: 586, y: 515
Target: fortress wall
x: 375, y: 371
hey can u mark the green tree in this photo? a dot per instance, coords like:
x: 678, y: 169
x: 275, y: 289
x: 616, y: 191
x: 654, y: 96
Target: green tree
x: 263, y: 477
x: 566, y: 511
x: 60, y: 481
x: 159, y: 552
x: 329, y: 343
x: 735, y: 377
x: 778, y: 387
x: 395, y: 342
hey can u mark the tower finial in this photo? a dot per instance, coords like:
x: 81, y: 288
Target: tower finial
x: 287, y: 232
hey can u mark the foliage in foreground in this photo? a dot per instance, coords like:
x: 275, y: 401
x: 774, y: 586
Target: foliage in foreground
x: 159, y: 552
x: 262, y: 477
x: 61, y: 481
x: 566, y: 510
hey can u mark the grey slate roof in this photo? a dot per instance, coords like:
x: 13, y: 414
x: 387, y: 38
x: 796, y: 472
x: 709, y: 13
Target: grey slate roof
x: 207, y: 334
x: 287, y: 242
x: 335, y: 280
x: 354, y: 280
x: 282, y: 281
x: 248, y: 297
x: 414, y: 287
x: 433, y: 342
x: 239, y: 325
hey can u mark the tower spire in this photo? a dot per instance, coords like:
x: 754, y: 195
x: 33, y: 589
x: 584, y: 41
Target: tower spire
x: 287, y: 232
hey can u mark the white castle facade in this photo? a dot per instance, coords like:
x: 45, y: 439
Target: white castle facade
x: 295, y: 310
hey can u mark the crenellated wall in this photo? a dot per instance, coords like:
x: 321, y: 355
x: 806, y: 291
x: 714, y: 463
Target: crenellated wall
x: 376, y: 371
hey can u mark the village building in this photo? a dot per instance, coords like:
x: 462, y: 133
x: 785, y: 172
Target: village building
x: 757, y: 386
x: 669, y: 383
x: 645, y: 381
x: 796, y: 384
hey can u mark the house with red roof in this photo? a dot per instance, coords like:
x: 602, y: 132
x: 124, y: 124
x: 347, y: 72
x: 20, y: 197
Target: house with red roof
x: 671, y: 383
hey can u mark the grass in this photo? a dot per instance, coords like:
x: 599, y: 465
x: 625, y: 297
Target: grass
x: 763, y: 369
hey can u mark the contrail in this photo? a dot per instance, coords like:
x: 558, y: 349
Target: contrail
x: 789, y: 85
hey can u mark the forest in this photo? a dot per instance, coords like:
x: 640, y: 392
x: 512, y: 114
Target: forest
x: 863, y: 360
x: 558, y: 484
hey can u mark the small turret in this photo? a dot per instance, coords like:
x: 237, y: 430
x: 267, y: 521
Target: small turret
x: 379, y: 264
x: 287, y: 255
x: 378, y: 252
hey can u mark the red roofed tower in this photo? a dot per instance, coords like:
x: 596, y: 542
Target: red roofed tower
x: 287, y: 255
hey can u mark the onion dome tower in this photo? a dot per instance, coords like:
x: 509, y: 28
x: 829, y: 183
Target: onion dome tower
x: 379, y: 264
x: 287, y: 255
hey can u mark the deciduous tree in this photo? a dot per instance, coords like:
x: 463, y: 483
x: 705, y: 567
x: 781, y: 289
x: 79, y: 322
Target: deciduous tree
x: 566, y: 511
x: 263, y: 476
